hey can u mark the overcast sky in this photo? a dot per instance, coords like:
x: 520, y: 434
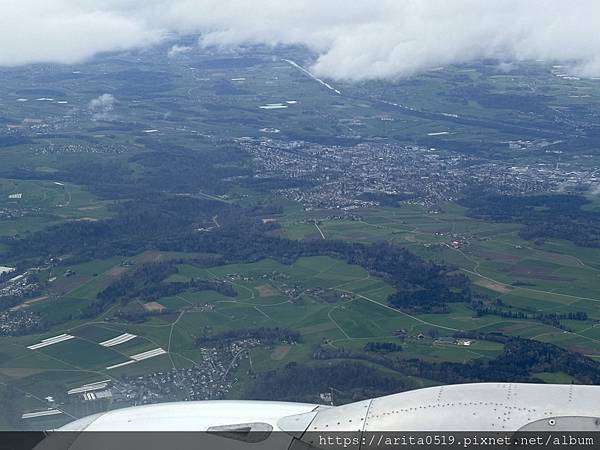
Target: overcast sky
x: 353, y: 39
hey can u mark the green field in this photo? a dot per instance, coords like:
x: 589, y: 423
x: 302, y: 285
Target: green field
x: 322, y: 298
x: 553, y: 277
x: 40, y: 204
x: 325, y: 299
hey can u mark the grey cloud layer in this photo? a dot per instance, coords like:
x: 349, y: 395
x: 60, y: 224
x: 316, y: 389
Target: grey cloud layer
x: 354, y: 39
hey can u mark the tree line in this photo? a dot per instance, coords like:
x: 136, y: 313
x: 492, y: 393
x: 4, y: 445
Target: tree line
x: 148, y: 283
x: 558, y: 216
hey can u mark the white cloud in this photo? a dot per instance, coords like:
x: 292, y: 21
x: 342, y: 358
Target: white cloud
x: 178, y: 49
x: 66, y: 31
x: 356, y: 40
x: 102, y: 107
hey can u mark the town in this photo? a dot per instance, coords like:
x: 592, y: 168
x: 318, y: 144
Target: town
x: 373, y: 173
